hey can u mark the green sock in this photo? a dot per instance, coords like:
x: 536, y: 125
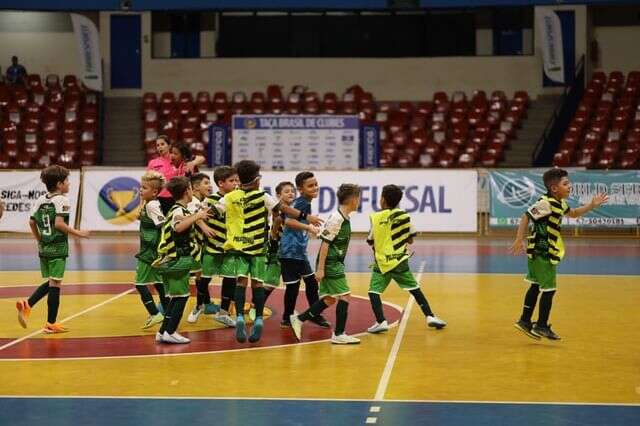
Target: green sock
x: 341, y: 317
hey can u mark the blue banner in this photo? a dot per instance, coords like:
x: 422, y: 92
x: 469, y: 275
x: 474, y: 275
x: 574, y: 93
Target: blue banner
x: 219, y: 146
x: 369, y: 146
x: 307, y: 122
x: 513, y: 191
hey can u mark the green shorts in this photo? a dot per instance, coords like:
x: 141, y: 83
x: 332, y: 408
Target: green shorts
x: 212, y: 264
x: 53, y: 268
x: 241, y: 265
x: 401, y: 274
x: 542, y: 272
x: 146, y: 274
x: 176, y: 283
x: 272, y: 274
x: 334, y: 286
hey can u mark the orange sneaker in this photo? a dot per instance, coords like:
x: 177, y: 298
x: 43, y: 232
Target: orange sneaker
x: 54, y: 328
x: 24, y: 310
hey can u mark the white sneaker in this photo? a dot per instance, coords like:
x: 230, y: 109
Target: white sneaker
x: 378, y: 327
x: 223, y: 318
x: 195, y: 314
x: 158, y: 337
x: 344, y: 339
x: 175, y: 338
x: 296, y: 326
x: 435, y: 322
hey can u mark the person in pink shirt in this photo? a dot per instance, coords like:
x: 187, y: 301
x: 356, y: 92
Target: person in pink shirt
x: 172, y: 160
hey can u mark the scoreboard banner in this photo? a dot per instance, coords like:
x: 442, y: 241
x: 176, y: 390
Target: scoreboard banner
x: 297, y: 142
x: 437, y: 200
x: 20, y: 189
x: 512, y: 191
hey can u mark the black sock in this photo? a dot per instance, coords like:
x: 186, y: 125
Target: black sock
x: 376, y: 305
x: 147, y: 299
x: 258, y: 298
x: 202, y: 291
x: 290, y: 297
x: 53, y: 303
x: 167, y: 315
x: 239, y: 299
x: 267, y: 293
x: 176, y: 314
x: 341, y: 316
x: 311, y: 289
x: 38, y: 294
x: 227, y: 292
x: 422, y: 301
x: 164, y: 300
x: 315, y: 310
x: 545, y: 307
x: 530, y: 300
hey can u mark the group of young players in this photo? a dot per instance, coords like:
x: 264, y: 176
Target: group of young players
x: 229, y: 234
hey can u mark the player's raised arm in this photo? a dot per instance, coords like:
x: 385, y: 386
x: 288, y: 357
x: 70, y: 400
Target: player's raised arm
x: 596, y: 201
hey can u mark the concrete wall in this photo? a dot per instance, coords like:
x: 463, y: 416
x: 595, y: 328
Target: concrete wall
x: 617, y: 31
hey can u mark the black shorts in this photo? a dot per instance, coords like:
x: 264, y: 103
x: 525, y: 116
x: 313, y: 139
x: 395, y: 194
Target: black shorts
x: 294, y: 269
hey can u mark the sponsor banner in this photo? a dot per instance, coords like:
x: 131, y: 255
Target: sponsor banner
x: 88, y: 42
x: 20, y: 189
x: 514, y: 190
x: 111, y: 199
x: 297, y: 142
x: 552, y: 51
x: 219, y: 149
x: 438, y: 200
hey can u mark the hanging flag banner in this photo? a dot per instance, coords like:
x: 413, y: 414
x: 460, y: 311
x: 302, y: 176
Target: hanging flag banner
x: 552, y: 51
x: 513, y: 191
x: 89, y: 49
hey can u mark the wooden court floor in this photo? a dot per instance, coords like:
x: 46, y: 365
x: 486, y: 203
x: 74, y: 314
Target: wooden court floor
x: 479, y: 358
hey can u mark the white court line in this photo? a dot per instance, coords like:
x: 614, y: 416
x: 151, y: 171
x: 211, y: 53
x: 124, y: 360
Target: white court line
x: 249, y: 398
x: 89, y: 309
x: 404, y: 320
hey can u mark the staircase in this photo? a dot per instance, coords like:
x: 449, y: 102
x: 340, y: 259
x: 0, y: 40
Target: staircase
x: 538, y: 115
x: 122, y: 130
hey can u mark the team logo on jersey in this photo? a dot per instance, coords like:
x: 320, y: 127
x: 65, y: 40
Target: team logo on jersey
x: 250, y: 123
x: 119, y: 201
x: 517, y: 193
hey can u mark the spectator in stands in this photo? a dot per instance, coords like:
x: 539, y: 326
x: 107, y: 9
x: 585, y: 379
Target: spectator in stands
x: 173, y: 160
x: 16, y: 73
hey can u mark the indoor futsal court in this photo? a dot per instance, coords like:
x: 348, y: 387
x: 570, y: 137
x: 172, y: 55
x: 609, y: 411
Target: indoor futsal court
x: 478, y: 370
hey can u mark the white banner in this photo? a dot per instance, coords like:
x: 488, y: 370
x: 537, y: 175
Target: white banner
x: 552, y: 50
x: 111, y: 199
x: 88, y: 43
x: 297, y: 142
x: 438, y: 200
x: 20, y: 189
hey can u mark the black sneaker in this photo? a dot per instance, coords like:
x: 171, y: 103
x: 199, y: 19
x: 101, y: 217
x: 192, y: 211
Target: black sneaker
x: 321, y: 321
x: 285, y: 323
x: 525, y: 327
x: 545, y: 332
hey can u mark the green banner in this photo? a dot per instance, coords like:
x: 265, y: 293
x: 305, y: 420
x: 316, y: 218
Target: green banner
x: 513, y: 191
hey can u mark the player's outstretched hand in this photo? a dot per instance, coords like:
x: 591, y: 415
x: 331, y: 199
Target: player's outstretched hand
x: 599, y: 199
x: 313, y: 230
x: 203, y: 213
x: 517, y: 247
x: 314, y: 220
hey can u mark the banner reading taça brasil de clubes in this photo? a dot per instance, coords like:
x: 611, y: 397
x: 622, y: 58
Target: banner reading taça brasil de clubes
x: 514, y: 190
x: 20, y: 189
x: 439, y: 201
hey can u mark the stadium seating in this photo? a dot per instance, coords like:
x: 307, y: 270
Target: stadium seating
x: 445, y: 131
x: 50, y: 123
x: 605, y: 130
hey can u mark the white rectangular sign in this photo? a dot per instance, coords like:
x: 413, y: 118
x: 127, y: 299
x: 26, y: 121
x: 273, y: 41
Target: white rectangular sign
x: 437, y: 200
x: 111, y: 199
x: 20, y: 189
x: 297, y: 142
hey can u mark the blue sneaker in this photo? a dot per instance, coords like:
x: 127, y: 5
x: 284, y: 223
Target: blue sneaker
x: 211, y: 308
x: 256, y: 332
x: 241, y: 332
